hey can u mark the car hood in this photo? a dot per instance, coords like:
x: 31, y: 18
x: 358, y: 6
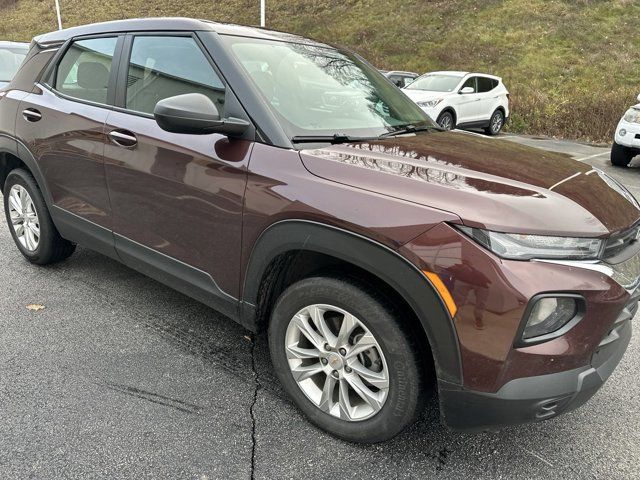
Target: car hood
x: 488, y: 183
x: 423, y: 95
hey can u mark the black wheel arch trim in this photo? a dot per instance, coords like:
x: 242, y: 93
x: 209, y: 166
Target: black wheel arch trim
x: 379, y: 260
x: 13, y: 146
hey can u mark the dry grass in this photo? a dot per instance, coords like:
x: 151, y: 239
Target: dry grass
x: 571, y: 65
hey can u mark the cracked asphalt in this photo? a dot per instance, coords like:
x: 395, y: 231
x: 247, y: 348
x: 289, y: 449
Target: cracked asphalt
x: 121, y: 377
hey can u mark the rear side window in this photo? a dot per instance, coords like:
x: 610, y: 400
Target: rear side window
x: 486, y: 84
x: 84, y: 70
x: 163, y: 66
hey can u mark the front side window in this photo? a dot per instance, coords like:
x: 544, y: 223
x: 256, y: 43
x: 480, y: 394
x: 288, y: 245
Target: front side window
x: 319, y: 90
x: 471, y: 82
x: 161, y: 67
x: 84, y: 70
x: 435, y: 83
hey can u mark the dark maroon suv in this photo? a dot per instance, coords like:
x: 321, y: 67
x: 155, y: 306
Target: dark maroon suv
x: 289, y: 185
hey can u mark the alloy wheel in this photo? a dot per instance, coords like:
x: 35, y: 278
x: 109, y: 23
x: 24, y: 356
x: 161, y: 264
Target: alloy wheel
x: 446, y: 122
x: 337, y: 362
x: 24, y: 218
x: 496, y: 123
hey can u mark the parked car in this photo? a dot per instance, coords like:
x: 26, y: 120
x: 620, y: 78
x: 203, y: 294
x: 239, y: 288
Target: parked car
x: 289, y: 185
x: 462, y: 100
x: 626, y: 144
x: 401, y: 79
x: 11, y: 56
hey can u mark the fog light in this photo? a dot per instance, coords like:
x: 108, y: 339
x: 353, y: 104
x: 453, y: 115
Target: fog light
x: 548, y: 315
x: 622, y: 132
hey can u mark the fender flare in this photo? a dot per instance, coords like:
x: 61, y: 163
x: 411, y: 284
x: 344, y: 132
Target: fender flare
x: 15, y: 147
x: 377, y: 259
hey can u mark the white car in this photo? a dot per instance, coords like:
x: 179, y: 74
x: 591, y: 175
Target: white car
x: 627, y: 139
x: 462, y: 100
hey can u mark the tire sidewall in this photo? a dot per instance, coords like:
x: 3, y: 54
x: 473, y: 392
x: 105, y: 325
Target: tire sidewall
x: 405, y: 386
x: 442, y: 115
x: 496, y: 113
x: 24, y: 179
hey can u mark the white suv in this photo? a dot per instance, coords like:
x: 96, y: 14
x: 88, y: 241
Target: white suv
x: 462, y: 100
x: 627, y: 140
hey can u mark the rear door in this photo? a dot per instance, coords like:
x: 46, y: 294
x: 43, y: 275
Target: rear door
x: 489, y: 97
x: 62, y: 124
x: 177, y: 198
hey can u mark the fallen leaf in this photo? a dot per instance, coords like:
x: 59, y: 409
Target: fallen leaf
x: 34, y: 307
x: 247, y: 338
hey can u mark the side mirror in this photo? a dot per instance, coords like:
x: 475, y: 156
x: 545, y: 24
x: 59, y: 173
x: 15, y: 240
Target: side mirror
x: 466, y: 90
x: 196, y: 114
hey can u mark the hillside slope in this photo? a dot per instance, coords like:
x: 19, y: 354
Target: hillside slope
x: 571, y: 66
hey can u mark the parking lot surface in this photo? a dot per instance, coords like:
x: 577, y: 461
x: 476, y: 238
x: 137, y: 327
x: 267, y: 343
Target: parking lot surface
x: 121, y: 377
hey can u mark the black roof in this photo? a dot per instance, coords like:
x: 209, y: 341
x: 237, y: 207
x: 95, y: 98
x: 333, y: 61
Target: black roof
x: 176, y: 24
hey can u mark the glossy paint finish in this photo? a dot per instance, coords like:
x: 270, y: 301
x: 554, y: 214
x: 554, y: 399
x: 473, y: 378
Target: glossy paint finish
x: 68, y: 143
x: 491, y: 184
x: 281, y: 188
x: 491, y: 296
x: 180, y: 195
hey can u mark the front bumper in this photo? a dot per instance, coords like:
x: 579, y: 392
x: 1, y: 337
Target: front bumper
x: 631, y: 138
x: 533, y: 399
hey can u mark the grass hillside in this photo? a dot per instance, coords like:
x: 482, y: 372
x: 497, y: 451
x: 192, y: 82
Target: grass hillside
x: 572, y: 66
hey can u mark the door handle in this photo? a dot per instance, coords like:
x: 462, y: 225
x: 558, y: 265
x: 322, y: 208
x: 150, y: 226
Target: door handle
x: 31, y: 115
x: 123, y: 138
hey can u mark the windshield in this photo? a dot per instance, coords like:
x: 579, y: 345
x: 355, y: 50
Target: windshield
x: 317, y: 90
x: 10, y: 59
x: 435, y: 83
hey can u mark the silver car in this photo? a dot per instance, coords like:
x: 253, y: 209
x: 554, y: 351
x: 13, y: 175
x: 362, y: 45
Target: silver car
x: 11, y: 56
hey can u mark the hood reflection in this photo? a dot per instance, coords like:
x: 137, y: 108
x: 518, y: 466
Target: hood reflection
x: 436, y: 172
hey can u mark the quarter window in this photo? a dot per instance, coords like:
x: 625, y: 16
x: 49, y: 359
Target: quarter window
x: 486, y: 84
x: 162, y: 67
x: 84, y: 70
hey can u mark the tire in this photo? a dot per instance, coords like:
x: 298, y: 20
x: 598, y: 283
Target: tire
x: 621, y: 156
x: 496, y: 122
x: 395, y: 355
x: 446, y: 121
x: 50, y: 247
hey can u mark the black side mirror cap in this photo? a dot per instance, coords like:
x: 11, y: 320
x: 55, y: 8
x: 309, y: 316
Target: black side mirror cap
x: 195, y: 114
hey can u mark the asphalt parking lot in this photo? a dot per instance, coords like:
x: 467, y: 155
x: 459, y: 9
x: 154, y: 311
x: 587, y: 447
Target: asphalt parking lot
x: 121, y: 377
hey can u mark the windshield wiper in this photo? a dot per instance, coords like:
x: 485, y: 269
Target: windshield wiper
x: 408, y: 129
x: 335, y: 138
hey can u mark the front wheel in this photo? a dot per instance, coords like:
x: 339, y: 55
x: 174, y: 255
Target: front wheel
x: 343, y: 356
x: 31, y: 226
x: 621, y: 156
x: 496, y: 122
x: 446, y: 121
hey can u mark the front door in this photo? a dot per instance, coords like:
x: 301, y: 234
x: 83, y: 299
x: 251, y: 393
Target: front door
x: 177, y: 199
x: 467, y: 103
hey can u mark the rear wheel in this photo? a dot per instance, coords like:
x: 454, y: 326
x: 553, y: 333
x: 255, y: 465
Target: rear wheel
x: 621, y: 156
x: 496, y: 122
x: 446, y: 121
x: 29, y: 221
x: 343, y: 356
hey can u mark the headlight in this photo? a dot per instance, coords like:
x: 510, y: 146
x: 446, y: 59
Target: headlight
x: 632, y: 115
x: 430, y: 103
x: 516, y: 246
x: 549, y: 316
